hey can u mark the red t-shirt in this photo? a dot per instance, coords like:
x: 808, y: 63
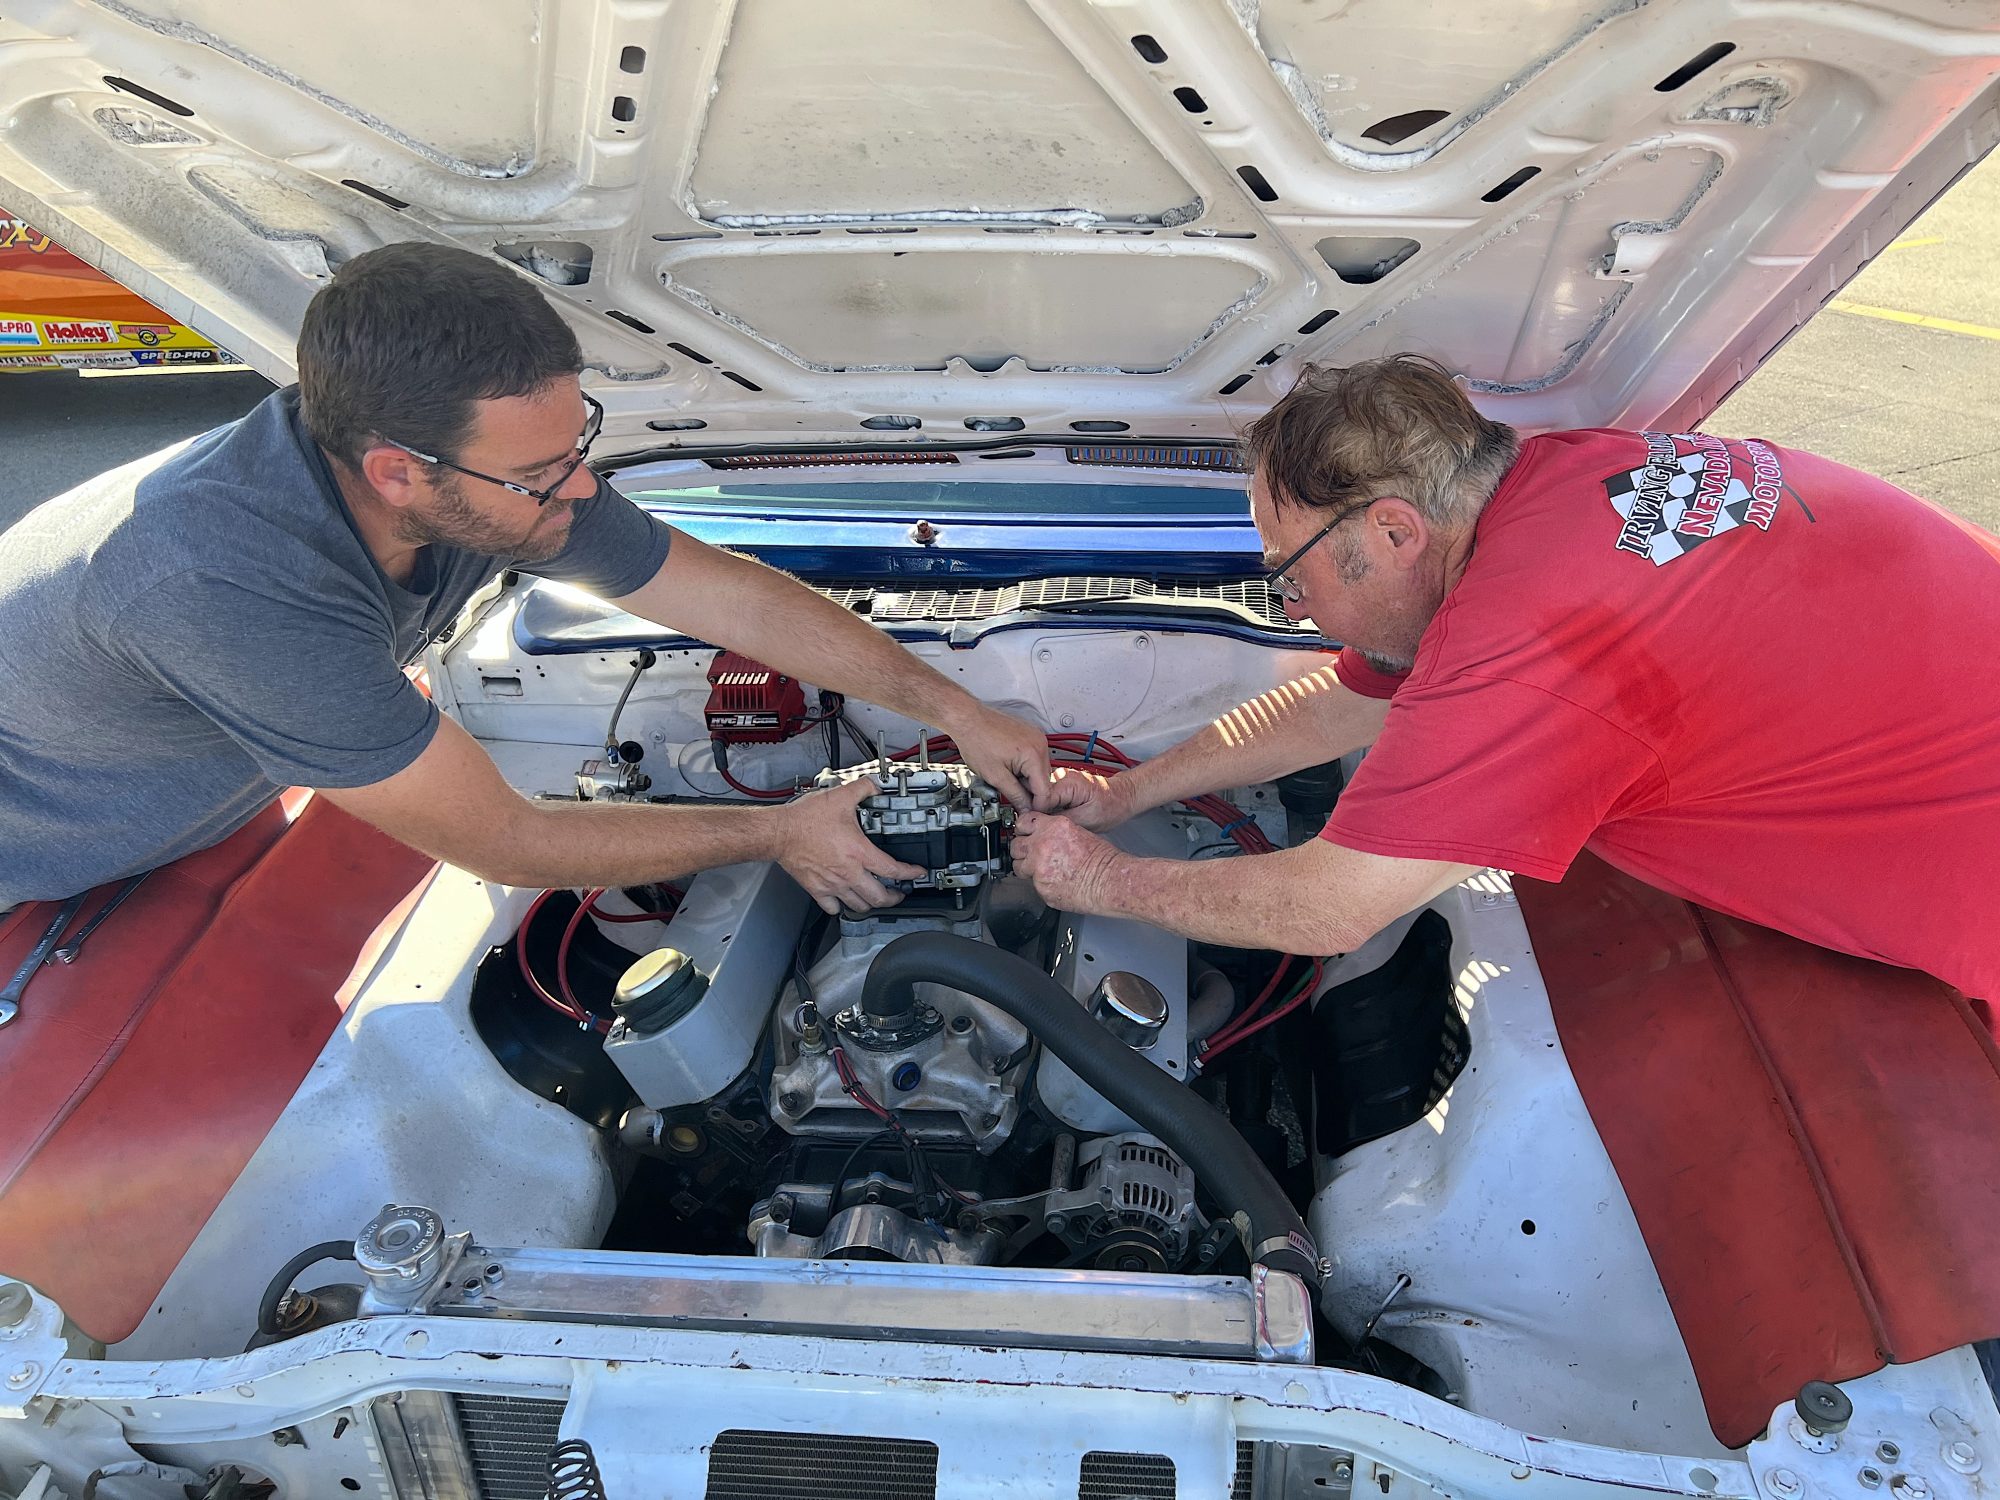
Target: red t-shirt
x: 1751, y: 677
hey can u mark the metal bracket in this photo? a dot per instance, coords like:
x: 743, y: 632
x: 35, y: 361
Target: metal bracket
x: 31, y: 1345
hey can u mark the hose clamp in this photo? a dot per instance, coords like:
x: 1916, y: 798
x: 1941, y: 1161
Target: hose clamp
x: 1294, y: 1252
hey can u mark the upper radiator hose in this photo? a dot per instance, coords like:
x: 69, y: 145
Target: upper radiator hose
x: 1273, y: 1233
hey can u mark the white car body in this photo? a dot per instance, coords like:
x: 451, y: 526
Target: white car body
x: 888, y: 227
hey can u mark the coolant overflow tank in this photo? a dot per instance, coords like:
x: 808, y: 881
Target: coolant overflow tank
x: 691, y: 1013
x: 658, y: 990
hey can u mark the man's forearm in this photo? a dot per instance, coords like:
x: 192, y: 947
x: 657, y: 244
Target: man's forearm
x: 836, y: 649
x: 772, y: 617
x: 557, y: 844
x: 1317, y: 899
x: 1255, y: 901
x: 1305, y: 722
x: 452, y: 803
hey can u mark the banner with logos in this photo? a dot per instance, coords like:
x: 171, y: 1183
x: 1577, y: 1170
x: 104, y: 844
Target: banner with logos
x: 57, y: 313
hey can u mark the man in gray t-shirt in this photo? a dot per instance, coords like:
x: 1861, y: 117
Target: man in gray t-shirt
x: 185, y: 636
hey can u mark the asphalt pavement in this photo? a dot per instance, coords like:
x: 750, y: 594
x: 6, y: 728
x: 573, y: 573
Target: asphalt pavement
x: 57, y: 428
x: 1900, y: 376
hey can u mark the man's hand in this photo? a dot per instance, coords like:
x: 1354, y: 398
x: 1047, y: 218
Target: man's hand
x: 1072, y: 868
x: 1086, y: 798
x: 823, y: 848
x: 1012, y: 756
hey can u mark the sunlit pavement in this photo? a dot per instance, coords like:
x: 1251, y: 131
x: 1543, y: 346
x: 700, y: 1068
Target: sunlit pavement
x: 1900, y: 375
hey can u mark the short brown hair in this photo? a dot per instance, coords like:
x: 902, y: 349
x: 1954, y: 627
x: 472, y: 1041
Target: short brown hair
x: 1399, y: 425
x: 406, y: 337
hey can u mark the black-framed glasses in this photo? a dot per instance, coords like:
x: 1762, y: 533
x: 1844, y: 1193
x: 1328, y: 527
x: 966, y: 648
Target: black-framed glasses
x: 1279, y: 579
x: 592, y: 425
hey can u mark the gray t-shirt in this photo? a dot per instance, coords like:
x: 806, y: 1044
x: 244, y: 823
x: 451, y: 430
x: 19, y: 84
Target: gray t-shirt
x: 184, y: 636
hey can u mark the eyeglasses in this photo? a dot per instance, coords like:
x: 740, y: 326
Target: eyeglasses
x: 592, y: 425
x: 1279, y: 579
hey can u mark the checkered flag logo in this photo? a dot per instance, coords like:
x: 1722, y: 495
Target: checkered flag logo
x: 1664, y: 541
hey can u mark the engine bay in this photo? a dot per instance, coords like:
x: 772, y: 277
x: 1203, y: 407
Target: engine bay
x: 777, y: 1110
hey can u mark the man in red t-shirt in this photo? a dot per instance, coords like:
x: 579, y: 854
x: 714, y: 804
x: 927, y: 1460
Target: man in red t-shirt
x: 1650, y: 645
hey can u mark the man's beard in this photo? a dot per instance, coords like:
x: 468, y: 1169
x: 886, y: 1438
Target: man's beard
x: 1399, y: 653
x: 1394, y: 665
x: 454, y: 521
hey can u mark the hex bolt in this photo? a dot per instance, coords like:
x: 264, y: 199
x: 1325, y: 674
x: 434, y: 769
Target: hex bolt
x: 781, y: 1208
x: 1910, y: 1487
x: 1962, y: 1456
x: 1045, y: 654
x: 23, y: 1375
x: 1784, y: 1483
x: 1056, y: 1223
x: 791, y: 1102
x: 1343, y: 1471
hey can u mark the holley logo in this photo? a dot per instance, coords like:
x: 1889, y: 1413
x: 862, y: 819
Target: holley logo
x: 78, y: 333
x: 18, y: 331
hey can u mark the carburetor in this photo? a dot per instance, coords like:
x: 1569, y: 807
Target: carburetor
x: 941, y: 817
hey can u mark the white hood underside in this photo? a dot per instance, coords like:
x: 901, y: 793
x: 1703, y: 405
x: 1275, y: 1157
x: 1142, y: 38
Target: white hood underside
x: 891, y: 220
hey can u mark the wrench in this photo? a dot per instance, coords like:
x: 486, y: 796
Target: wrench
x: 68, y: 951
x: 10, y: 997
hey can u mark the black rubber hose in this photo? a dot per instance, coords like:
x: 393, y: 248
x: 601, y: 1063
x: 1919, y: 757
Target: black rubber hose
x: 267, y: 1310
x: 1195, y: 1130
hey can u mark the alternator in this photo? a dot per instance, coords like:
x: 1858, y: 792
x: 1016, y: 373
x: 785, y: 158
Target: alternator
x: 1134, y: 1209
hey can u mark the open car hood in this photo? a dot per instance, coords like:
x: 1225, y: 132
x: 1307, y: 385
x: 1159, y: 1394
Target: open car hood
x: 891, y: 221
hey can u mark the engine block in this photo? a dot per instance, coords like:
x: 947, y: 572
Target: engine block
x: 955, y: 1070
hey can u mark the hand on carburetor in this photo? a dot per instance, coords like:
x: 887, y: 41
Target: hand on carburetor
x: 1071, y: 867
x: 1012, y: 757
x: 822, y: 847
x: 1088, y: 799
